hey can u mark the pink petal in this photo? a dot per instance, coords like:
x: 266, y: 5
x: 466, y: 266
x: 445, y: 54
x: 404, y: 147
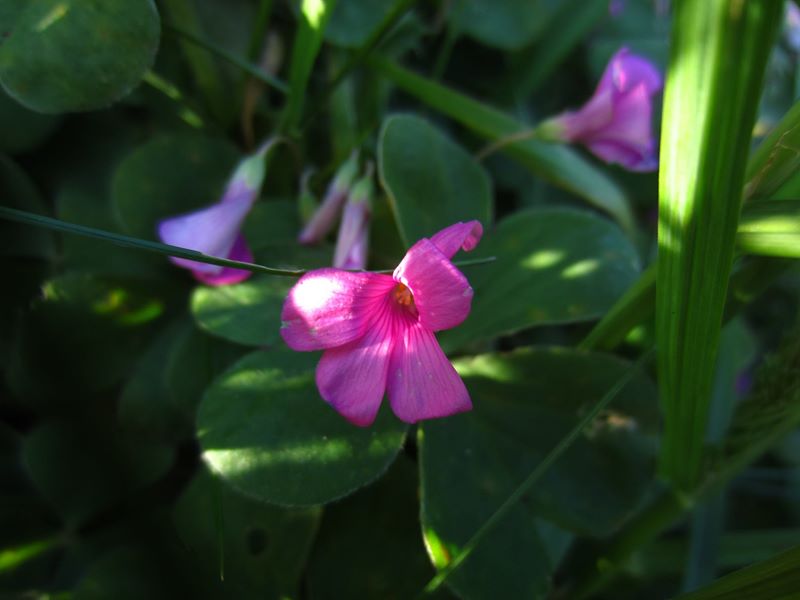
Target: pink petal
x: 626, y: 71
x: 324, y: 218
x: 352, y: 378
x: 461, y: 236
x: 229, y: 275
x: 442, y: 294
x: 422, y: 383
x: 329, y: 307
x: 352, y: 242
x: 628, y: 138
x: 212, y: 230
x: 597, y: 113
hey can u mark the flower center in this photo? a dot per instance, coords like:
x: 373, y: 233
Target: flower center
x: 403, y: 296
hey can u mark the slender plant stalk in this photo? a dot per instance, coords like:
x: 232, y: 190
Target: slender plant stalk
x: 400, y: 8
x: 314, y: 15
x: 244, y: 65
x: 131, y: 242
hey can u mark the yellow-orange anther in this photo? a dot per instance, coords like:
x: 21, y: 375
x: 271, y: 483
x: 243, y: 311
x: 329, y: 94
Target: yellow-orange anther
x: 403, y: 295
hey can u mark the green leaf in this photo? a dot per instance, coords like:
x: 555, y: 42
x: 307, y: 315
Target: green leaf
x: 159, y: 401
x: 776, y: 159
x: 263, y: 548
x: 81, y: 470
x: 431, y: 181
x: 722, y: 48
x: 370, y: 544
x: 22, y: 129
x: 133, y: 571
x: 167, y: 176
x: 76, y: 55
x: 555, y: 163
x: 84, y: 332
x: 553, y: 266
x: 777, y: 578
x: 770, y: 228
x: 566, y: 27
x: 507, y: 25
x: 18, y: 191
x: 643, y: 26
x: 247, y: 313
x: 264, y: 428
x: 524, y: 403
x: 352, y: 21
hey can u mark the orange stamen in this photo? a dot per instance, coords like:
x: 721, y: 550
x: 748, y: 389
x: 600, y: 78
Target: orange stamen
x: 403, y: 295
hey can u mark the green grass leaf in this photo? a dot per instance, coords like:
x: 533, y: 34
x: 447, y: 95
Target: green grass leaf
x: 777, y: 578
x: 314, y: 15
x: 719, y: 52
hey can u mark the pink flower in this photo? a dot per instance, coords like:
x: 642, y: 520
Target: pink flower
x: 378, y: 331
x: 325, y: 216
x: 215, y: 230
x: 616, y: 122
x: 353, y: 241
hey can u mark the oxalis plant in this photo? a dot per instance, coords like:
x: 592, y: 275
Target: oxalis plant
x: 399, y: 299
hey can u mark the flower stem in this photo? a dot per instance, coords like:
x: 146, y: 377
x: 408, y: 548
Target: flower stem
x: 499, y: 144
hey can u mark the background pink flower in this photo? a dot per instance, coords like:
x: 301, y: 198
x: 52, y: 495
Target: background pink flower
x: 215, y: 230
x: 378, y: 331
x: 616, y: 123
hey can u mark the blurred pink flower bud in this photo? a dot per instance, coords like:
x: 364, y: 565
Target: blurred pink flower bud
x: 324, y: 218
x: 353, y: 241
x: 215, y: 230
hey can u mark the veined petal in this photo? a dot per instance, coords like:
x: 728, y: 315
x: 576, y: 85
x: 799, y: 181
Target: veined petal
x: 229, y: 275
x: 461, y: 236
x: 212, y: 230
x: 442, y: 295
x: 352, y: 378
x: 330, y: 307
x: 422, y: 384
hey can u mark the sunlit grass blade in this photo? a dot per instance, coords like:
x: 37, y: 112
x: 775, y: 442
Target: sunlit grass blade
x: 542, y: 468
x: 718, y: 55
x: 556, y: 163
x: 314, y: 15
x: 777, y: 577
x: 771, y: 228
x: 11, y: 558
x: 766, y: 228
x: 776, y: 159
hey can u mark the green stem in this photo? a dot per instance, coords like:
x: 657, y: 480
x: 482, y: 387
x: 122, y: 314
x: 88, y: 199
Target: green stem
x: 165, y: 249
x: 246, y: 66
x: 259, y: 29
x: 400, y: 8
